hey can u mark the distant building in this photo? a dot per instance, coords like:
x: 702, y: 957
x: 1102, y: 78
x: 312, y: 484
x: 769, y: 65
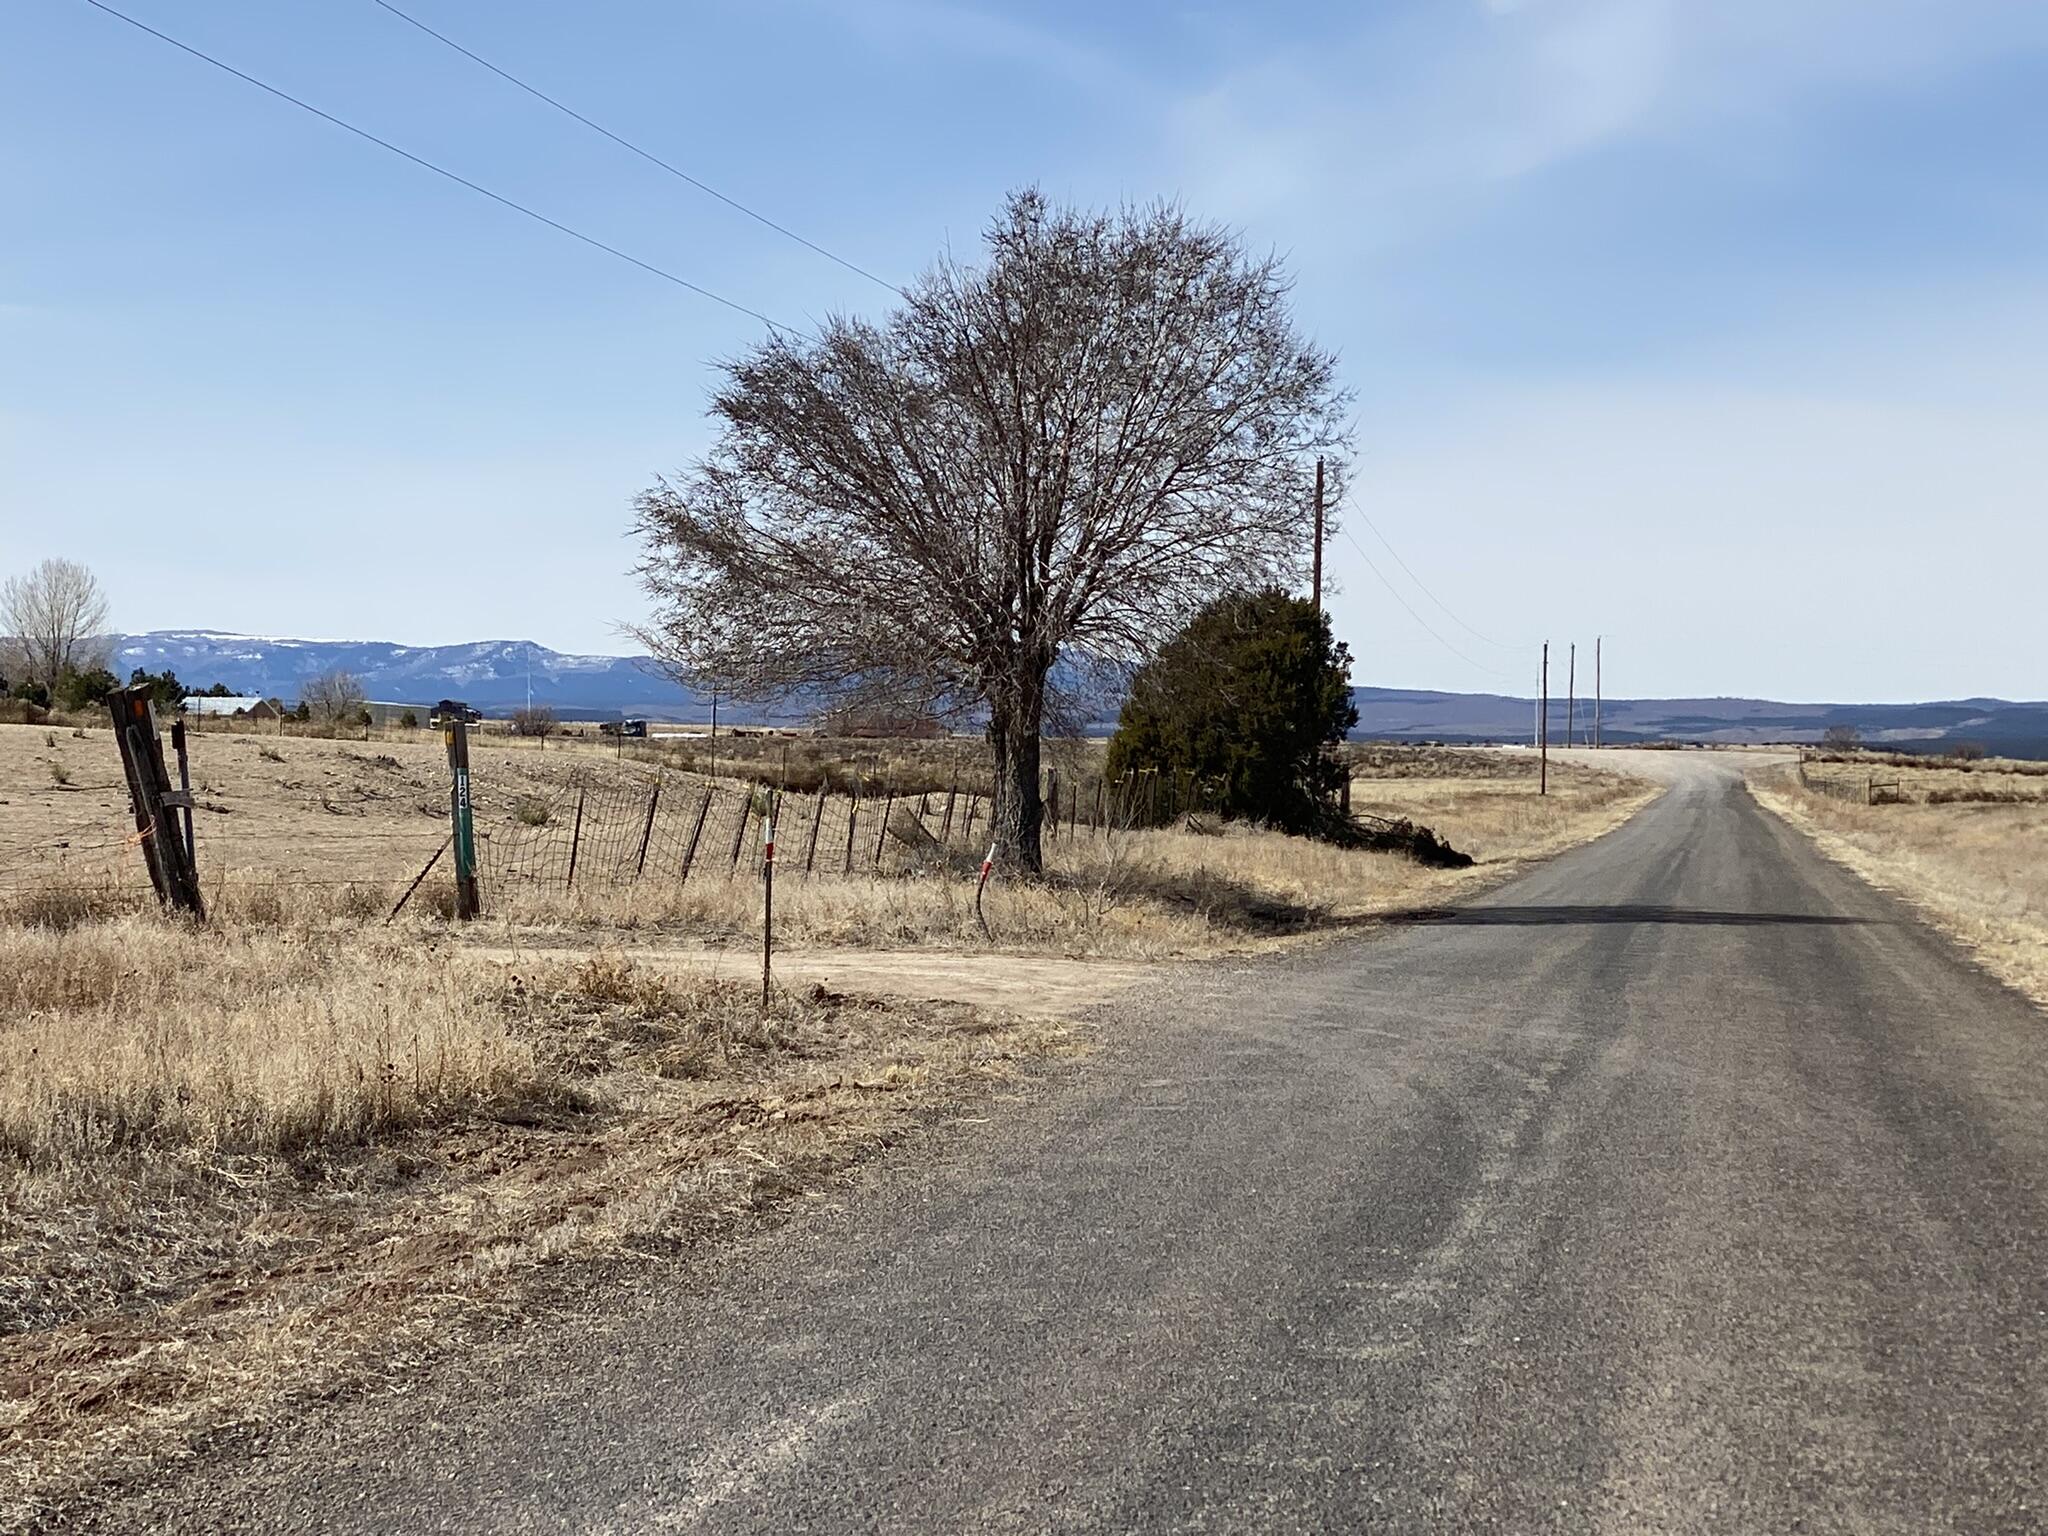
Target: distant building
x: 244, y: 707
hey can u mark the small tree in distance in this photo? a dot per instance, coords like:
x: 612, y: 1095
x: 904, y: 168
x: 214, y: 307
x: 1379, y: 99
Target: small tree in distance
x: 163, y: 688
x: 1058, y: 455
x: 54, y: 620
x: 1243, y: 703
x: 335, y: 698
x: 534, y: 720
x: 1841, y: 738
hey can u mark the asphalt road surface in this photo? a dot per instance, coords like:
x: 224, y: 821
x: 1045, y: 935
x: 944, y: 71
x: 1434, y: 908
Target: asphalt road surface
x: 1684, y: 1184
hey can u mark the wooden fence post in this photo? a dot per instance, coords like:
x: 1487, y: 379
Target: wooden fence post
x: 946, y: 826
x: 852, y: 819
x: 151, y: 797
x: 462, y: 821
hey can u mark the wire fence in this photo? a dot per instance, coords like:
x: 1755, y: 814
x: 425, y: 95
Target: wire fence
x: 342, y: 819
x: 1857, y: 789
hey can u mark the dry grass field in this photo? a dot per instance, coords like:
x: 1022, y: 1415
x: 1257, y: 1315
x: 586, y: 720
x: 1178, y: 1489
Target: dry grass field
x: 302, y: 1145
x: 1967, y: 842
x: 294, y: 829
x: 237, y: 1166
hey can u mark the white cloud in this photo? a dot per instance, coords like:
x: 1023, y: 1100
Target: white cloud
x: 1415, y: 115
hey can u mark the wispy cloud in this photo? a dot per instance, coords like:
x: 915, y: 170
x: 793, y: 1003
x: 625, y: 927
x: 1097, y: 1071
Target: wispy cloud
x: 1414, y: 113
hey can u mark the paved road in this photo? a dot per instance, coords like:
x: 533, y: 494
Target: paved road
x: 1684, y: 1184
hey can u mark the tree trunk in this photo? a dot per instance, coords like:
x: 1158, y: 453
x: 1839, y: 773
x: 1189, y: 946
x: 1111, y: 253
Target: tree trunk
x: 1017, y: 814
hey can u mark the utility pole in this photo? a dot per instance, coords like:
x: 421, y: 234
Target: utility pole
x: 1318, y: 594
x: 1571, y: 693
x: 1596, y: 693
x: 1543, y: 727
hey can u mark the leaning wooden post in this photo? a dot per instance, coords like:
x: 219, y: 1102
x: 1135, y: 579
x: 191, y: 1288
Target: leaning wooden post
x: 576, y: 837
x: 462, y: 821
x: 852, y: 820
x: 152, y: 799
x: 946, y: 825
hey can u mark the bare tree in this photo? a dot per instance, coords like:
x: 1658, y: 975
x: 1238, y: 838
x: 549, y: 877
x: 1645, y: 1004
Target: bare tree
x: 534, y: 720
x: 55, y: 621
x: 1841, y: 738
x: 335, y: 697
x: 1061, y: 453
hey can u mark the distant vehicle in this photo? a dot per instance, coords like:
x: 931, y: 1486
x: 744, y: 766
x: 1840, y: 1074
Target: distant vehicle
x: 448, y: 711
x: 622, y: 728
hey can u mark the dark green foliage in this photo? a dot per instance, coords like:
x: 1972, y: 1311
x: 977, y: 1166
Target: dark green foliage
x: 1238, y: 708
x: 82, y: 690
x: 165, y: 691
x: 32, y: 693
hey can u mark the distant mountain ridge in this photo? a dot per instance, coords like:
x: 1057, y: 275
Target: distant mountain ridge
x: 2002, y: 726
x: 494, y: 675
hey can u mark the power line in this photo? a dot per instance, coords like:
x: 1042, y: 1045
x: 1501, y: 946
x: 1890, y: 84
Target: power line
x: 1475, y: 634
x: 648, y: 155
x: 1418, y: 618
x: 438, y: 170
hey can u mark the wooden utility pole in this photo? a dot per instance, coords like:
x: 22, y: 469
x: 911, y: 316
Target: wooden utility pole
x: 1543, y: 727
x: 1571, y: 693
x: 1596, y: 693
x: 1318, y: 594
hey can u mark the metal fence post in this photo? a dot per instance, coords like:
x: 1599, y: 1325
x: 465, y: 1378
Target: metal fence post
x: 646, y: 832
x: 576, y: 837
x: 811, y: 848
x: 882, y: 833
x: 690, y: 853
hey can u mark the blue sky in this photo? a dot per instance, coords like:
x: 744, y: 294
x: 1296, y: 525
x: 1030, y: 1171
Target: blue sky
x: 1720, y: 328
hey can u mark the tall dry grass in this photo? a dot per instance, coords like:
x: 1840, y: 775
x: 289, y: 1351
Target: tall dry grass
x: 1979, y: 868
x: 142, y: 1031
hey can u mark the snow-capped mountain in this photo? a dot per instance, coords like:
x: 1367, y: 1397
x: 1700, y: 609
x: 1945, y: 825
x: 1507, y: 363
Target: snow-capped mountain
x: 493, y: 675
